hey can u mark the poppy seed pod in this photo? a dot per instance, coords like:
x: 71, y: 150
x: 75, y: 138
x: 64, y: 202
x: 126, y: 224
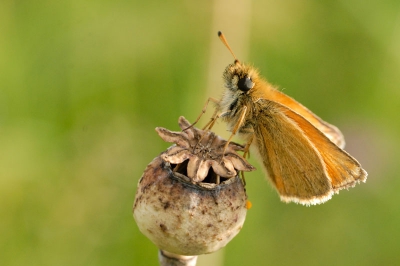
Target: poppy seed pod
x: 190, y: 199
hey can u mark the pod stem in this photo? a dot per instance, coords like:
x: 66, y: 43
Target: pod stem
x: 170, y: 259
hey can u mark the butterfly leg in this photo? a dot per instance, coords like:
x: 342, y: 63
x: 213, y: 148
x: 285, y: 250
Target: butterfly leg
x: 247, y: 147
x: 237, y: 127
x: 212, y: 121
x: 203, y: 111
x: 209, y: 125
x: 234, y: 131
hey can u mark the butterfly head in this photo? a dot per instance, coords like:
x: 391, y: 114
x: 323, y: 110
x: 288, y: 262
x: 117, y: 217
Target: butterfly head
x: 240, y: 78
x: 241, y: 82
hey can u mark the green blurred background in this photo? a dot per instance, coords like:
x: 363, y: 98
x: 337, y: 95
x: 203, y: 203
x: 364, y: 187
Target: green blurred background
x: 83, y: 84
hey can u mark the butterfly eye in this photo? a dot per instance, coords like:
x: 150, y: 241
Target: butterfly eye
x: 245, y: 84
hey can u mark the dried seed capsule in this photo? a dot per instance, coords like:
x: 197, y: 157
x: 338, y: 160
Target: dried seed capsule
x: 191, y: 208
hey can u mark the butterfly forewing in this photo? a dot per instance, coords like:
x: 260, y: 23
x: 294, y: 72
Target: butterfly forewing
x: 293, y: 164
x: 304, y: 166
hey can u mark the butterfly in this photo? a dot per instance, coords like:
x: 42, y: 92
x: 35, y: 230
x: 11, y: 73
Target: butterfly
x: 301, y: 154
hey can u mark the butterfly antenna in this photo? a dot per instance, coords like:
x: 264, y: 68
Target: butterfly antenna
x: 224, y: 41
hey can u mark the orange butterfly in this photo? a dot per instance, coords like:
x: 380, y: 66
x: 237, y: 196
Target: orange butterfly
x: 302, y: 155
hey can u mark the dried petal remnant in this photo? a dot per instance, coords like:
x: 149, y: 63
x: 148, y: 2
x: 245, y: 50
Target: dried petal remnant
x: 203, y: 150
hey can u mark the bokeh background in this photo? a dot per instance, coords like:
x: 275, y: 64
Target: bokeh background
x: 83, y: 84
